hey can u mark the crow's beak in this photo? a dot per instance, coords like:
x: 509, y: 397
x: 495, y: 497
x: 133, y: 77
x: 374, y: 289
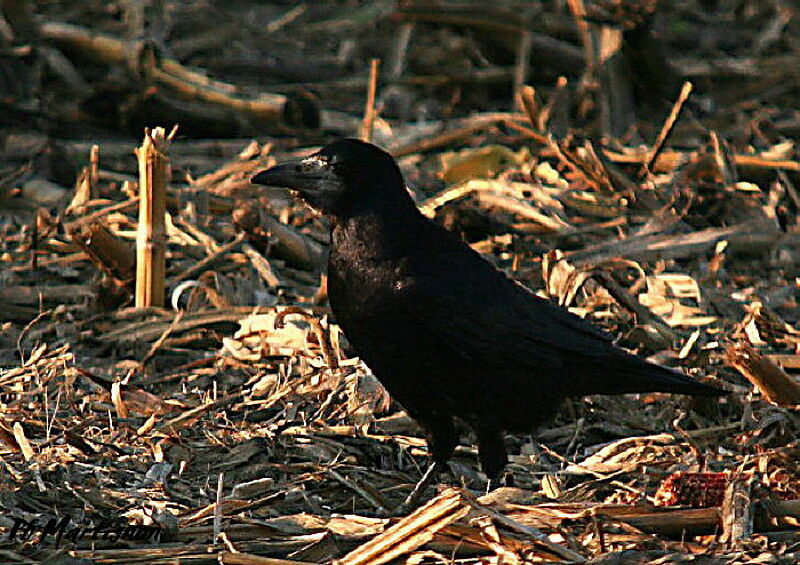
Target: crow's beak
x: 306, y: 177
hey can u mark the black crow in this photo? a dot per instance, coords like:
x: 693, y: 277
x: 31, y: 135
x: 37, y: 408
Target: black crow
x: 448, y: 334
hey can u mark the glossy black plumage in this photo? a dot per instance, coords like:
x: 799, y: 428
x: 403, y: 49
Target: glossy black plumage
x: 446, y: 332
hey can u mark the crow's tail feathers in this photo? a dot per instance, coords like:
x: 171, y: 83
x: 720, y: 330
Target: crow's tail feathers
x: 634, y: 374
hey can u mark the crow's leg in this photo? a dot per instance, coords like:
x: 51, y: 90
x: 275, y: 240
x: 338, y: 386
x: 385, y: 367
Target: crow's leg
x: 492, y: 454
x: 440, y: 433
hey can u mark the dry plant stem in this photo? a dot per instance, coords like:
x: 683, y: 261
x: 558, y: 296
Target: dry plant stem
x: 116, y: 400
x: 369, y: 108
x: 188, y: 417
x: 151, y: 240
x: 287, y: 18
x: 34, y: 244
x: 790, y: 188
x: 266, y: 106
x: 773, y: 382
x: 668, y: 126
x: 723, y: 159
x: 437, y: 141
x: 746, y: 237
x: 152, y: 329
x: 22, y: 442
x: 485, y: 16
x: 419, y: 489
x: 675, y: 523
x: 494, y: 18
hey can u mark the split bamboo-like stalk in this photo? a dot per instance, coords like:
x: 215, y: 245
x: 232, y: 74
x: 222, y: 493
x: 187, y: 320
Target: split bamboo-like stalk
x: 154, y: 173
x: 411, y: 532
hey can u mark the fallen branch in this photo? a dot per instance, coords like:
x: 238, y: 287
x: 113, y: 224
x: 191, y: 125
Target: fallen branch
x: 141, y: 59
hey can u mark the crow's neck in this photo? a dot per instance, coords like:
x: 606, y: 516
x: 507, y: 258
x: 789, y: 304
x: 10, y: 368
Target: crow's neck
x: 373, y: 230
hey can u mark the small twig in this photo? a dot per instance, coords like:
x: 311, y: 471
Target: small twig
x: 625, y: 299
x: 160, y: 341
x: 526, y: 100
x: 601, y: 535
x: 369, y: 108
x: 358, y: 489
x: 116, y: 400
x: 666, y: 129
x: 108, y: 210
x: 790, y: 188
x: 201, y: 265
x: 25, y: 331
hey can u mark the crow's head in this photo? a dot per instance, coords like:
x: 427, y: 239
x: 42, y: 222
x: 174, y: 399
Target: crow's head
x: 342, y: 178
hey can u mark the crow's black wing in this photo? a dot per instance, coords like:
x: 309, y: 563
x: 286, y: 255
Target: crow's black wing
x: 482, y: 316
x: 533, y: 339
